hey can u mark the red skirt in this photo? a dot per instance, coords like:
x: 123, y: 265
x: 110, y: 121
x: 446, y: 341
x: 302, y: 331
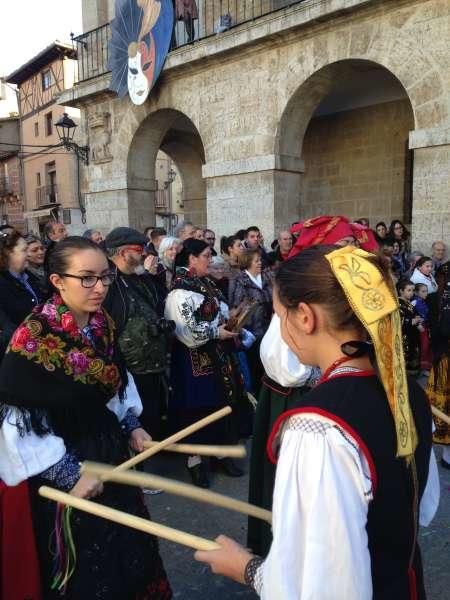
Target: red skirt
x: 426, y: 355
x: 18, y: 557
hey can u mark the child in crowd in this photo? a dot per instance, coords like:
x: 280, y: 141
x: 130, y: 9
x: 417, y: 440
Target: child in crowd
x: 422, y: 309
x: 410, y: 321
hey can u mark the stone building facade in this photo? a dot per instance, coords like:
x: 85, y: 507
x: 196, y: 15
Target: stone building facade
x: 338, y: 106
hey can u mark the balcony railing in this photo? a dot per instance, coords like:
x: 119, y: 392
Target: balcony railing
x: 162, y: 201
x: 47, y: 194
x: 214, y: 16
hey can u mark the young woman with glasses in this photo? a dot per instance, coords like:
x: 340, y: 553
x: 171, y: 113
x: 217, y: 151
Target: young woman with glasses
x: 57, y: 379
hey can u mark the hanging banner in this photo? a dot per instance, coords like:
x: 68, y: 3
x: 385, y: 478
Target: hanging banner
x: 141, y: 33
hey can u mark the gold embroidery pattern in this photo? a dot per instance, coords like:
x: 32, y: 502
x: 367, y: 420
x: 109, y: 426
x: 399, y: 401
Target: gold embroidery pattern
x: 376, y: 307
x: 373, y: 300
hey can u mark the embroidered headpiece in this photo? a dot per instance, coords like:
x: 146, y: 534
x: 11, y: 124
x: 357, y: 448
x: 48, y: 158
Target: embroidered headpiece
x: 376, y: 307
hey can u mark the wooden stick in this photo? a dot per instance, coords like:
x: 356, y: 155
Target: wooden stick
x: 178, y: 488
x: 176, y: 437
x: 440, y: 415
x: 123, y: 518
x: 203, y: 450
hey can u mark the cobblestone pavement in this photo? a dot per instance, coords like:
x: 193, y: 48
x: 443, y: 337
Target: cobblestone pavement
x: 191, y: 580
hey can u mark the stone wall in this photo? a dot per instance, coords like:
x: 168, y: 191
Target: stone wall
x: 355, y: 163
x: 251, y: 92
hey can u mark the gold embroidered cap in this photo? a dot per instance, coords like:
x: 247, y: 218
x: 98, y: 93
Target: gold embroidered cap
x: 376, y: 307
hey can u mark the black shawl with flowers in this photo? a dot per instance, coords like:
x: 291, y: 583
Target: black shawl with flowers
x: 55, y: 377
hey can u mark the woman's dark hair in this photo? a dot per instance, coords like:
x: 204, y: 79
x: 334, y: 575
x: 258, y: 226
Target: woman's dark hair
x: 226, y: 242
x: 308, y: 278
x: 8, y: 240
x: 241, y: 234
x: 403, y: 283
x: 422, y: 261
x: 58, y: 256
x: 191, y: 247
x: 379, y: 225
x: 405, y: 235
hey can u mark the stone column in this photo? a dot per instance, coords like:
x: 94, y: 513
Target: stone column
x: 260, y: 190
x: 431, y: 187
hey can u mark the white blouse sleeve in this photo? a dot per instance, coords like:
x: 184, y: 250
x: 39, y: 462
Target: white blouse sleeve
x: 280, y: 363
x: 132, y: 401
x: 25, y: 456
x: 321, y: 499
x: 182, y: 307
x: 429, y: 502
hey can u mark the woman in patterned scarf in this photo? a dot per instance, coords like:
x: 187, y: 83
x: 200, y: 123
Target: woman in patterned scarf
x: 57, y: 379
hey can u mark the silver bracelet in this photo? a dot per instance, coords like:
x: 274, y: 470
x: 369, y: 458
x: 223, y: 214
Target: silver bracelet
x: 251, y: 570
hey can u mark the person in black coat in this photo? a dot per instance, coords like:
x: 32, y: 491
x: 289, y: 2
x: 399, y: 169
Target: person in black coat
x: 135, y: 301
x: 19, y: 290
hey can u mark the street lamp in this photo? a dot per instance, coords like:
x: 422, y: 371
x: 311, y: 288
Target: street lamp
x: 66, y: 130
x: 171, y: 175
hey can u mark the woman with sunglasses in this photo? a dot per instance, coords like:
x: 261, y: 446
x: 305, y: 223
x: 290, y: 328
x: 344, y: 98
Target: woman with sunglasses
x: 62, y: 384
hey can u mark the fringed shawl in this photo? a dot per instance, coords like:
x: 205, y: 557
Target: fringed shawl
x: 56, y: 377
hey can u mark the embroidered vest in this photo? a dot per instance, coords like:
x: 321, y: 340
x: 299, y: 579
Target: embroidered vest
x: 358, y: 405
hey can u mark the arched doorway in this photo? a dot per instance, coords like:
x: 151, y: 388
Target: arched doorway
x: 349, y: 124
x: 166, y: 135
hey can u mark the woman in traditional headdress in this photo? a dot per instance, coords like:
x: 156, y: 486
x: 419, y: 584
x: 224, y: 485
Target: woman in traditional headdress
x: 284, y: 382
x: 353, y: 454
x: 62, y: 391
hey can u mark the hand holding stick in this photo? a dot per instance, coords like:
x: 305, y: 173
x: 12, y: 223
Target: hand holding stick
x: 176, y: 437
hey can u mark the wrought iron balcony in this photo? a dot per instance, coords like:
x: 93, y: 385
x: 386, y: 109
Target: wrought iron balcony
x: 47, y: 194
x: 214, y: 16
x: 162, y: 201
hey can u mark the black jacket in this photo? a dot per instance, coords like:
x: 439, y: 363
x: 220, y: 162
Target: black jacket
x: 117, y: 302
x: 16, y: 303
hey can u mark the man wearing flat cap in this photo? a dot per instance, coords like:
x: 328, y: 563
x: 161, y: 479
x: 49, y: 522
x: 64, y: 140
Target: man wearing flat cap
x: 135, y: 302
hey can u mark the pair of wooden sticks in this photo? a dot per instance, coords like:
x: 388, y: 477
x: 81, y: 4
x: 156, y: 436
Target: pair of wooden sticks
x: 118, y: 474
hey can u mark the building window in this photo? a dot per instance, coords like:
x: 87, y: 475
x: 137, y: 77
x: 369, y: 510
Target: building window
x: 47, y: 80
x: 38, y: 179
x: 52, y: 189
x: 48, y: 124
x: 36, y: 129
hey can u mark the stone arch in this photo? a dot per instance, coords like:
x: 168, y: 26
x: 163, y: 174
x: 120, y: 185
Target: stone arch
x: 304, y: 101
x: 175, y: 134
x: 386, y: 44
x: 325, y: 185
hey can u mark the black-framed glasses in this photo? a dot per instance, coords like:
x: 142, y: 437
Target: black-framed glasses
x: 90, y: 281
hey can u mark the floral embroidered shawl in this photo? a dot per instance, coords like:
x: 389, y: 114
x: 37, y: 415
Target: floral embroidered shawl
x: 55, y: 371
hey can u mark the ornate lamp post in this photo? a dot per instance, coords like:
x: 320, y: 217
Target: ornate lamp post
x: 66, y: 130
